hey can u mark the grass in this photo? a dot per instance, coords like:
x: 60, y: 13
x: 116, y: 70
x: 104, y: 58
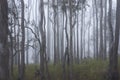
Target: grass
x: 86, y: 70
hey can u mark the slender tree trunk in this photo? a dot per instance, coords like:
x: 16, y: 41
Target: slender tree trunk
x: 18, y: 53
x: 48, y: 35
x: 27, y: 48
x: 94, y: 29
x: 101, y: 30
x: 58, y: 46
x: 42, y: 46
x: 22, y: 73
x: 11, y: 57
x: 88, y: 55
x: 66, y: 57
x: 15, y: 47
x: 74, y: 45
x: 96, y: 10
x: 81, y: 49
x: 66, y: 54
x: 71, y: 42
x: 55, y: 42
x: 78, y: 39
x: 62, y: 40
x: 111, y: 41
x: 105, y: 29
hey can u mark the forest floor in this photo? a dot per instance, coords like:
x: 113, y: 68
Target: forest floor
x: 86, y: 70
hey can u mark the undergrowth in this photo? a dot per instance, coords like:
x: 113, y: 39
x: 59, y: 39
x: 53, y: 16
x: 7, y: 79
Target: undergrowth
x: 86, y: 70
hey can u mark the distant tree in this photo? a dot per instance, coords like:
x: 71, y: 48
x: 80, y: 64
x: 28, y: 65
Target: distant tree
x: 55, y: 31
x: 48, y: 33
x: 94, y: 28
x: 101, y: 30
x: 78, y: 54
x: 71, y: 40
x: 105, y: 29
x: 81, y: 34
x: 96, y: 16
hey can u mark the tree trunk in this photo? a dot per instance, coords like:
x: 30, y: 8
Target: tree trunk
x: 77, y: 38
x: 96, y: 10
x: 101, y: 30
x: 11, y: 57
x: 81, y: 44
x: 94, y: 29
x: 113, y: 60
x: 55, y: 42
x: 105, y: 29
x: 58, y: 46
x: 4, y: 54
x: 71, y: 42
x: 43, y: 63
x: 27, y: 48
x: 22, y: 71
x: 48, y: 35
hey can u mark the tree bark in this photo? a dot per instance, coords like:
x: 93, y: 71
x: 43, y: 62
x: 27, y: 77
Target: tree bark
x: 4, y: 54
x: 113, y: 62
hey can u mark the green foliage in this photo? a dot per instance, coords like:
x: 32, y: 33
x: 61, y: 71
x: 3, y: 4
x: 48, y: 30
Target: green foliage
x: 86, y: 70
